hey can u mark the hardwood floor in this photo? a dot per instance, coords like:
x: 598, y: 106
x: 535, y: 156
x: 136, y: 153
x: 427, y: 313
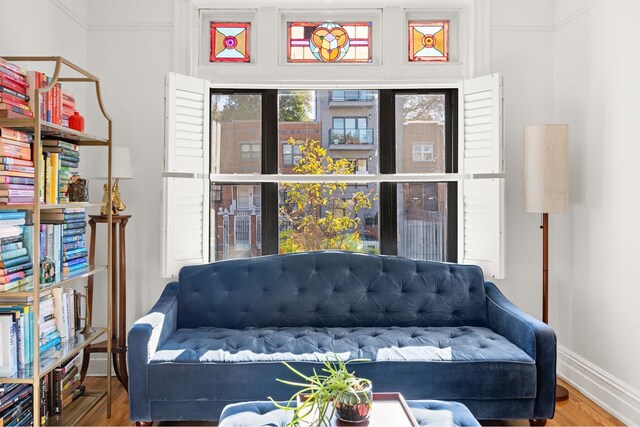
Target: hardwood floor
x: 577, y: 411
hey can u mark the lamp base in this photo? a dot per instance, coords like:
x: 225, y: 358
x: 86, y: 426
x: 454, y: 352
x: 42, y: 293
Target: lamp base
x: 561, y: 393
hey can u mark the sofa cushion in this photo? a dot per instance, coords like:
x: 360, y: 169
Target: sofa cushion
x: 433, y: 362
x: 330, y: 289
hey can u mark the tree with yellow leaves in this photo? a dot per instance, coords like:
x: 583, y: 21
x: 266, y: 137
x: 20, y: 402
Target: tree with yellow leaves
x: 318, y: 215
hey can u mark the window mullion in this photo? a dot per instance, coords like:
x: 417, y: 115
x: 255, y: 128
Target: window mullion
x: 388, y: 224
x: 269, y: 190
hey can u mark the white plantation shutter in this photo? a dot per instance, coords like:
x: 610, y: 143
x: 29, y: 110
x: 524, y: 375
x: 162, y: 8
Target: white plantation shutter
x: 186, y: 174
x: 483, y: 204
x: 483, y: 222
x: 482, y: 103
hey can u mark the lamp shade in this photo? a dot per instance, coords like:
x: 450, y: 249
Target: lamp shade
x: 546, y: 168
x: 120, y: 165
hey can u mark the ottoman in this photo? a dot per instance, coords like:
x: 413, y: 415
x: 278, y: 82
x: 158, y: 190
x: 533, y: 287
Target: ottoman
x: 426, y: 412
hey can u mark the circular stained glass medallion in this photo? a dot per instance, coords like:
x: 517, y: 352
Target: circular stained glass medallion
x: 329, y: 42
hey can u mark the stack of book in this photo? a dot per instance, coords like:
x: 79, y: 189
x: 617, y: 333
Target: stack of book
x: 16, y: 328
x: 65, y: 385
x: 50, y: 101
x: 16, y: 405
x: 65, y: 156
x: 68, y: 107
x: 16, y: 266
x: 50, y: 335
x: 14, y: 99
x: 16, y: 167
x: 73, y: 222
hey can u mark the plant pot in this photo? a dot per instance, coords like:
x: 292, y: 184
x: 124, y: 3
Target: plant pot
x: 355, y: 407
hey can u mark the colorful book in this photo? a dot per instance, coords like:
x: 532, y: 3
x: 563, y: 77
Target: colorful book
x: 15, y: 94
x: 73, y: 231
x: 17, y: 193
x: 10, y: 179
x: 73, y: 238
x: 12, y: 254
x: 12, y: 222
x: 16, y: 284
x: 14, y: 261
x: 11, y: 246
x: 17, y: 268
x: 18, y: 162
x: 15, y: 135
x: 11, y: 239
x: 16, y: 200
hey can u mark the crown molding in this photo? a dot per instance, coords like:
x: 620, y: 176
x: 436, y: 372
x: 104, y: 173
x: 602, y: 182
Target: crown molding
x: 529, y: 28
x: 70, y: 13
x: 575, y: 15
x: 130, y: 26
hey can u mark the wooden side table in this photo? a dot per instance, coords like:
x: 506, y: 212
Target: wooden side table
x: 119, y: 291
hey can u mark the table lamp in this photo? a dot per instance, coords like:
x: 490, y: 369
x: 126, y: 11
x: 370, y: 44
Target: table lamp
x: 120, y: 169
x: 546, y: 190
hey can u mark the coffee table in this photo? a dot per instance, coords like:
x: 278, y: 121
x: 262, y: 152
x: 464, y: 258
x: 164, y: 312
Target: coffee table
x: 387, y: 410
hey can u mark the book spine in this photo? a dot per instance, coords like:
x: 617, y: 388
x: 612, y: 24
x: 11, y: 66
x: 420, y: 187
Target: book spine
x: 9, y: 83
x: 14, y: 77
x: 10, y: 100
x: 56, y: 395
x: 18, y: 110
x: 13, y: 67
x: 15, y: 135
x: 18, y: 268
x: 15, y: 151
x: 13, y: 254
x: 17, y: 77
x: 12, y: 161
x: 19, y: 102
x: 14, y: 93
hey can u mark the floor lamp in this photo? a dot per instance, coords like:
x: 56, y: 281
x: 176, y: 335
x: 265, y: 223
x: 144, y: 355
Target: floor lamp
x: 546, y: 190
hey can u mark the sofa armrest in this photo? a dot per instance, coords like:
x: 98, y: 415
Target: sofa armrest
x: 536, y: 338
x: 145, y: 337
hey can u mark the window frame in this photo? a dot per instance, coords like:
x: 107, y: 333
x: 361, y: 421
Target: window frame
x: 388, y: 179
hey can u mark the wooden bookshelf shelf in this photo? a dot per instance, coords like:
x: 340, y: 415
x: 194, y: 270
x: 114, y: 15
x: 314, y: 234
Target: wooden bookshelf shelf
x: 50, y: 359
x: 53, y: 131
x: 77, y: 409
x: 44, y: 207
x: 26, y: 291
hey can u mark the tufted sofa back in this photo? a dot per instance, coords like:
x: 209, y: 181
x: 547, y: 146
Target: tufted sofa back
x: 330, y: 289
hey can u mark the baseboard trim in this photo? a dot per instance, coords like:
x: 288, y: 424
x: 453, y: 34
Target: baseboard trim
x: 614, y: 395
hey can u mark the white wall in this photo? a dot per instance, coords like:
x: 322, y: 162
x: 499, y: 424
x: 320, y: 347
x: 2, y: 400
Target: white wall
x: 46, y: 28
x: 596, y: 291
x: 521, y: 37
x: 131, y: 53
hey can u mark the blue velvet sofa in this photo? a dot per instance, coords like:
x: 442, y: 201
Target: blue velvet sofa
x: 430, y: 330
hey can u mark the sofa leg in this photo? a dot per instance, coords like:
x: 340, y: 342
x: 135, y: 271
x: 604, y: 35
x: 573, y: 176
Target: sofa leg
x: 144, y: 423
x: 537, y: 422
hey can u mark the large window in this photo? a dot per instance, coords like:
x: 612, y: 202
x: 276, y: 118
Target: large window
x: 340, y: 182
x: 232, y: 189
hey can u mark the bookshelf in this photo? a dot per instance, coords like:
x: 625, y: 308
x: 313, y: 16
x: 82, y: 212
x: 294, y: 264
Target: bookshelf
x: 32, y: 373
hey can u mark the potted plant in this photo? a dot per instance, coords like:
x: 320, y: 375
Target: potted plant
x: 333, y: 390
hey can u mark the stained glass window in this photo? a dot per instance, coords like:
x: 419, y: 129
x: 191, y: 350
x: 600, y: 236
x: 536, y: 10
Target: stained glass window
x: 230, y: 41
x: 329, y: 42
x: 429, y: 41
